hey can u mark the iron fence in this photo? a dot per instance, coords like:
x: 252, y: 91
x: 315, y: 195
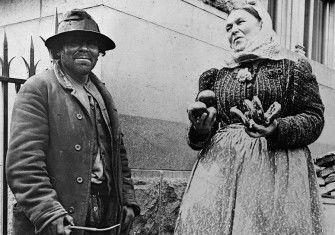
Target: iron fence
x: 5, y: 80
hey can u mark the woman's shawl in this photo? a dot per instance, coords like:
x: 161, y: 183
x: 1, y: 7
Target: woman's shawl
x: 265, y: 45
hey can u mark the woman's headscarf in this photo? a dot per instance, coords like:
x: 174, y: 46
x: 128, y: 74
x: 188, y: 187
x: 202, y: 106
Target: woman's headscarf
x: 265, y: 45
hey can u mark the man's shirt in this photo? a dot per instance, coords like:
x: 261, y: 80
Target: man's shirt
x: 93, y: 102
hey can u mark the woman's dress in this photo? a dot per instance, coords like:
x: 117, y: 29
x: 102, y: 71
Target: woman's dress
x: 244, y: 185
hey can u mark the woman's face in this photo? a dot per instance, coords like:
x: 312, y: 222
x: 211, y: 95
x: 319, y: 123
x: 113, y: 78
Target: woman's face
x: 241, y: 27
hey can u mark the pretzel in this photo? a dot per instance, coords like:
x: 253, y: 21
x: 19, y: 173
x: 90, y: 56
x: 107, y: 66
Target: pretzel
x: 259, y: 119
x: 272, y: 113
x: 235, y: 111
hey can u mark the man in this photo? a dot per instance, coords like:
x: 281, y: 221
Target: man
x: 66, y: 162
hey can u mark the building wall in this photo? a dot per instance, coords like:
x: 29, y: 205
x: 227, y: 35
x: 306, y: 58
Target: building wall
x: 307, y: 25
x: 161, y: 49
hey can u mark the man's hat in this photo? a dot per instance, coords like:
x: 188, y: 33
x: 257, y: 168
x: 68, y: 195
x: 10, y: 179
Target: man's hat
x: 79, y: 23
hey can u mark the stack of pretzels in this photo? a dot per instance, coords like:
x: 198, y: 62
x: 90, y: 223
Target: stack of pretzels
x: 253, y: 109
x: 254, y: 112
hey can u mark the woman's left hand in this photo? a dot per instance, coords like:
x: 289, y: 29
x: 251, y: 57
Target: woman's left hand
x: 256, y: 130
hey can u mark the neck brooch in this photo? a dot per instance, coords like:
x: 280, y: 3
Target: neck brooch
x: 244, y: 75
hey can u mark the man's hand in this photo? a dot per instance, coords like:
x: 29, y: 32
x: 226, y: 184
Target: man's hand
x: 59, y: 226
x: 128, y: 217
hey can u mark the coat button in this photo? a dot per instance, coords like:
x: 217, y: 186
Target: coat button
x: 77, y: 147
x: 71, y: 210
x: 79, y: 116
x: 79, y: 180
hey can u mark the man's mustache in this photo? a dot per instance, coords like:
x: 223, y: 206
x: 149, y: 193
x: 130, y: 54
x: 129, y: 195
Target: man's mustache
x: 84, y: 55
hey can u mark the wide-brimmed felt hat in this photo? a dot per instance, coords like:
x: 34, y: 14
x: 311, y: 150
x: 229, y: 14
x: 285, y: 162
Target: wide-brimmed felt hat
x: 79, y: 23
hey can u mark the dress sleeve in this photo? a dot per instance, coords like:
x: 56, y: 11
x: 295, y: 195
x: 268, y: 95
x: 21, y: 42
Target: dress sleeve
x: 305, y: 119
x: 207, y: 79
x: 206, y: 82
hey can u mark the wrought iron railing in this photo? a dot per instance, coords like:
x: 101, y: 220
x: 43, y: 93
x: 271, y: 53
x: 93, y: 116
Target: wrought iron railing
x: 5, y: 80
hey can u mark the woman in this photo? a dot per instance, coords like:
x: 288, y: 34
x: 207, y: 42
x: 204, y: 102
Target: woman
x: 258, y: 178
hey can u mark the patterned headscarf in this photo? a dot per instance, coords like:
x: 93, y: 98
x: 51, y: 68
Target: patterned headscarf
x: 264, y: 45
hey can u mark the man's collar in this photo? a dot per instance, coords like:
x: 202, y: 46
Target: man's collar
x: 61, y: 76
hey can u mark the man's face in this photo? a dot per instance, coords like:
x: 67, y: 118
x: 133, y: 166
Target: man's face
x: 79, y: 56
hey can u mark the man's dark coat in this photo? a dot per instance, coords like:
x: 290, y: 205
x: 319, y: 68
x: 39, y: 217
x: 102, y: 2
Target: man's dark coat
x: 49, y: 160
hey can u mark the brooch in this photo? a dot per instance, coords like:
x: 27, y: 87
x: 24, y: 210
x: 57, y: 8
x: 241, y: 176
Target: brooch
x: 244, y: 75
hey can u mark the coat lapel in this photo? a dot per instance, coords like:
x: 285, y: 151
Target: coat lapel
x: 111, y: 110
x: 67, y: 85
x: 114, y: 120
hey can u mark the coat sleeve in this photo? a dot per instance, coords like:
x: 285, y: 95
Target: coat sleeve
x: 128, y: 186
x: 206, y: 82
x: 305, y: 119
x: 26, y: 169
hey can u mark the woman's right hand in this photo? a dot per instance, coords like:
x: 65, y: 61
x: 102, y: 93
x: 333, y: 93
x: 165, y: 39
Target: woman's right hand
x: 203, y: 124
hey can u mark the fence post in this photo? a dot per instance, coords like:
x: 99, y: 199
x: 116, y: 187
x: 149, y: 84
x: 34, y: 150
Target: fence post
x: 31, y: 67
x: 5, y: 72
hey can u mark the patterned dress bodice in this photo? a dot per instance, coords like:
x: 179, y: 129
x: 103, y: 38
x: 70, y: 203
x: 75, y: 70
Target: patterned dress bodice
x: 290, y: 83
x: 269, y: 82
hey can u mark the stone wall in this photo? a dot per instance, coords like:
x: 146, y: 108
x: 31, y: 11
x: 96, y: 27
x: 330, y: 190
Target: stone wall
x: 159, y: 194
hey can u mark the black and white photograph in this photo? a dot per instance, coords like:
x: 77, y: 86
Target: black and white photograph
x: 185, y: 117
